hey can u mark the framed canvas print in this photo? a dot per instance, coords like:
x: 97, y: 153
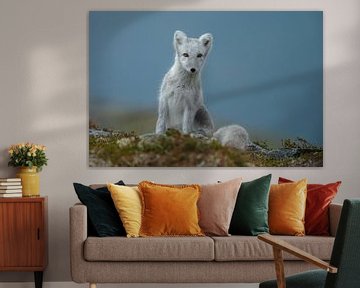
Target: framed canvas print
x: 205, y: 89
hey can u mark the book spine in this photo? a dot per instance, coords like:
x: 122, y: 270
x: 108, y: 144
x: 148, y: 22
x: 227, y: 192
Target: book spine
x: 10, y: 195
x: 10, y: 183
x: 10, y: 179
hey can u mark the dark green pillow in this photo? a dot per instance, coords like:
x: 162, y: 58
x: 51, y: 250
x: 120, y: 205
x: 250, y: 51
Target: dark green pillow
x: 103, y: 219
x: 250, y: 216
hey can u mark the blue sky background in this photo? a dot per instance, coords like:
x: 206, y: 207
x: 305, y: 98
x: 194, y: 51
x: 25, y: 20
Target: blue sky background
x: 265, y: 70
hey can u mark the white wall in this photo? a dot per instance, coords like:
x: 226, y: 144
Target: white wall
x: 43, y: 90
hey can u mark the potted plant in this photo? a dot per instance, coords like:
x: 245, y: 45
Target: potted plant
x: 30, y: 158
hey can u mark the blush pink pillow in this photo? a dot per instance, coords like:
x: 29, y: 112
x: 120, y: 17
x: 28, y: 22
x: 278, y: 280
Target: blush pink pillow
x: 216, y: 206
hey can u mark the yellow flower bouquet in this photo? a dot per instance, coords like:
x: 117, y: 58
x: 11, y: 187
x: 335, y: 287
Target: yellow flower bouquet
x: 27, y: 155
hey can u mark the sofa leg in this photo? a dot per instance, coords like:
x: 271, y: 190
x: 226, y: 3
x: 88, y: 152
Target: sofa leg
x: 92, y: 285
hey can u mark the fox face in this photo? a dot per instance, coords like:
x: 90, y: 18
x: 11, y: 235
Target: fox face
x: 191, y: 52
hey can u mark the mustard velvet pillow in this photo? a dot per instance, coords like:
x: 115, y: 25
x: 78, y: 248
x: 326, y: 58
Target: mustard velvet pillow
x: 127, y: 201
x: 287, y: 204
x: 169, y: 210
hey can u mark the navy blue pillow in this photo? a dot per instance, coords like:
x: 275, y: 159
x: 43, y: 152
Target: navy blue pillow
x: 103, y: 218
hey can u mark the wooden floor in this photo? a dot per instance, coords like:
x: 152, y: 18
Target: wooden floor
x: 74, y: 285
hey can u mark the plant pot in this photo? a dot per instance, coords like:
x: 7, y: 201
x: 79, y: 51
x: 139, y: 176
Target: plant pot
x: 30, y: 181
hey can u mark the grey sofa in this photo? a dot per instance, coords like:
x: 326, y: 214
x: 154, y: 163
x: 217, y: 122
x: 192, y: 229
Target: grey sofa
x: 234, y: 259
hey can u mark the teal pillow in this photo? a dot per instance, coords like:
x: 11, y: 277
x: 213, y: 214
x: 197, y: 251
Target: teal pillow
x: 250, y: 216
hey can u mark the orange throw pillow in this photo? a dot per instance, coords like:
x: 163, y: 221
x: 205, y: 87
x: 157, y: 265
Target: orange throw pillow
x: 319, y: 197
x: 287, y: 204
x: 169, y: 210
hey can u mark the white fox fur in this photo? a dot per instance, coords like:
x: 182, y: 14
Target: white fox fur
x: 233, y: 136
x: 181, y: 102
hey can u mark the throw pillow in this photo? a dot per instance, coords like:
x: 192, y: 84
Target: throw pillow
x: 169, y: 210
x: 127, y: 201
x: 102, y: 215
x: 216, y: 206
x: 319, y: 197
x: 287, y: 204
x: 250, y: 215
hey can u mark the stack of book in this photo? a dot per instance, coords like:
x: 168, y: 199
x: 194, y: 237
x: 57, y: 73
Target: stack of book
x: 10, y: 187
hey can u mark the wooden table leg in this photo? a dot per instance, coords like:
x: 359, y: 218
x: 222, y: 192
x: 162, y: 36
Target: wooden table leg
x: 38, y: 279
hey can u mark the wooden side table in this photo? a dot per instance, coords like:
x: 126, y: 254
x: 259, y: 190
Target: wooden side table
x: 23, y: 235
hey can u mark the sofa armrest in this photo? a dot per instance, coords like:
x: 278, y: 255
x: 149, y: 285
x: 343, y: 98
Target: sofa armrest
x: 78, y: 235
x: 334, y: 217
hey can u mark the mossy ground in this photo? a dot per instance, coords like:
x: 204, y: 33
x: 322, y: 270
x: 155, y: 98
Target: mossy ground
x: 308, y: 155
x: 173, y: 149
x: 304, y: 158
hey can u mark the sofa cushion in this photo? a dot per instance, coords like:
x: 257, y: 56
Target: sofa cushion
x: 169, y: 210
x: 318, y: 199
x: 102, y: 216
x: 216, y: 205
x: 149, y: 249
x: 127, y: 201
x: 250, y: 215
x: 287, y: 204
x: 244, y: 248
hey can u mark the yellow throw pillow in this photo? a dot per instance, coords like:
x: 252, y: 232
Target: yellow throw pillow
x: 287, y: 204
x: 127, y: 201
x: 169, y: 210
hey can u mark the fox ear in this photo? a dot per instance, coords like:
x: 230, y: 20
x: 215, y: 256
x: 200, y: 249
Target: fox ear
x: 179, y: 37
x: 206, y: 40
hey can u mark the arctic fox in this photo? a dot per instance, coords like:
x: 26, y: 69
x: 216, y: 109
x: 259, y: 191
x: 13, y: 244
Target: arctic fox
x: 181, y: 102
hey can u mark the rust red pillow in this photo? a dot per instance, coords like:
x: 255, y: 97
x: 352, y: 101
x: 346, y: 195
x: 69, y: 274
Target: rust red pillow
x: 319, y: 197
